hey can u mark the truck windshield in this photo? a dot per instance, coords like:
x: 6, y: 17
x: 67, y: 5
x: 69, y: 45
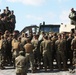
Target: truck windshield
x: 49, y: 29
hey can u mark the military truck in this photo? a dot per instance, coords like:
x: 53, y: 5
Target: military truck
x: 42, y: 27
x: 49, y: 27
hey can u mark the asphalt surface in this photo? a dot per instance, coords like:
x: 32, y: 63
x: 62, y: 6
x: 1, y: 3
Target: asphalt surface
x: 11, y: 71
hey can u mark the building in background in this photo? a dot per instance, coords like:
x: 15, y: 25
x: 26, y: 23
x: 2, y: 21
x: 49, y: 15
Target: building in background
x: 66, y: 28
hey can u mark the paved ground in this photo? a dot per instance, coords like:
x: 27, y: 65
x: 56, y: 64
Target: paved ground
x: 11, y: 71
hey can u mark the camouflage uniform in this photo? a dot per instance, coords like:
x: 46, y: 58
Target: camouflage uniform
x: 45, y: 47
x: 20, y: 63
x: 60, y: 46
x: 3, y: 50
x: 69, y: 51
x: 5, y: 24
x: 36, y: 52
x: 13, y: 20
x: 9, y: 53
x: 73, y: 47
x: 72, y: 16
x: 1, y: 55
x: 54, y: 38
x: 7, y: 11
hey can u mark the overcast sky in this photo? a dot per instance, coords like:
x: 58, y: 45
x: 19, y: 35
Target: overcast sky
x: 34, y: 12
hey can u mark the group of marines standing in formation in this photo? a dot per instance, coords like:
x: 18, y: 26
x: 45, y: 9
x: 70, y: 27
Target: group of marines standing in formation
x: 40, y: 51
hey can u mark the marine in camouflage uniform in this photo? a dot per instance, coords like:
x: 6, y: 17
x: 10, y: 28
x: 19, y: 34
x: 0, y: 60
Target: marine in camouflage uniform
x: 7, y: 11
x: 1, y: 54
x: 73, y: 47
x: 21, y: 48
x: 5, y: 49
x: 29, y: 53
x: 36, y: 51
x: 40, y: 39
x: 21, y: 64
x: 12, y: 20
x: 9, y: 53
x: 51, y: 51
x: 72, y: 16
x: 54, y: 38
x: 69, y: 50
x: 4, y: 45
x: 22, y: 40
x: 5, y: 23
x: 45, y: 47
x: 60, y: 46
